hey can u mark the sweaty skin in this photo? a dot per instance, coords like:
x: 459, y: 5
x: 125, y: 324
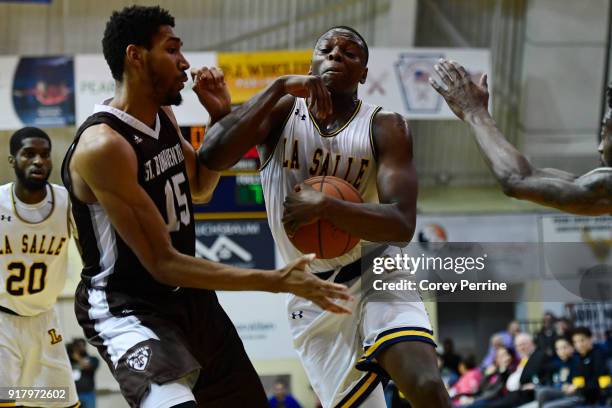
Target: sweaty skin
x: 589, y: 194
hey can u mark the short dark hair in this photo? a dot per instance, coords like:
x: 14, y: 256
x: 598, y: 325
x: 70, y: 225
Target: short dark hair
x: 469, y: 362
x: 585, y: 331
x: 356, y: 33
x: 16, y: 141
x: 133, y: 25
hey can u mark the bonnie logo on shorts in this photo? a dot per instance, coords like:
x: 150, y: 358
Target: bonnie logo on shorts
x: 139, y: 359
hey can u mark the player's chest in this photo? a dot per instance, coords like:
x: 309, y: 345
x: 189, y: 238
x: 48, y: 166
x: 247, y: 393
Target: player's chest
x: 308, y: 154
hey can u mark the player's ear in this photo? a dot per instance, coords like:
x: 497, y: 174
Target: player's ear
x: 134, y: 55
x: 364, y: 76
x: 11, y: 160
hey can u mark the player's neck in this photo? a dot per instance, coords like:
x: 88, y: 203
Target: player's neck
x: 137, y: 101
x: 344, y: 103
x: 29, y: 196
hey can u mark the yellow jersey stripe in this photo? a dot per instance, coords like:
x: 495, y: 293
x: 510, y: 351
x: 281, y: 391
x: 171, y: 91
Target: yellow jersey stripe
x: 359, y: 391
x: 395, y: 335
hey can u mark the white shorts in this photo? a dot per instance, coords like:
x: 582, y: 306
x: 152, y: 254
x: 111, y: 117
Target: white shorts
x: 33, y: 354
x: 339, y: 351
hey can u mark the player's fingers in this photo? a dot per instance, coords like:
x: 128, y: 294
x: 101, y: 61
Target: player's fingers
x: 327, y: 304
x: 483, y: 82
x: 460, y: 70
x: 336, y: 294
x: 207, y: 78
x: 217, y: 75
x: 443, y: 74
x: 435, y: 85
x: 324, y: 99
x: 451, y: 70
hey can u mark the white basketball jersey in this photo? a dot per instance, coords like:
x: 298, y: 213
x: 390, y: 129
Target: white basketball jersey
x: 302, y: 152
x: 33, y: 257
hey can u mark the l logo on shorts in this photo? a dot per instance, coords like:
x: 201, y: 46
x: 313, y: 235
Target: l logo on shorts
x: 139, y: 359
x: 55, y: 338
x: 297, y: 315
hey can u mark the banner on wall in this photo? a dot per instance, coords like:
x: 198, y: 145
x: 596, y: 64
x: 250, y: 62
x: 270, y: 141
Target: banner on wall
x: 36, y: 91
x: 61, y: 91
x: 95, y: 84
x: 247, y: 73
x: 398, y: 79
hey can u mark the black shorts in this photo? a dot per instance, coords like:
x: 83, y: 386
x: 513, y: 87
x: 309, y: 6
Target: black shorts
x: 164, y: 337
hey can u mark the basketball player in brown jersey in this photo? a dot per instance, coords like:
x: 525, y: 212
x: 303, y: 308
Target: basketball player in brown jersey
x: 589, y: 194
x: 321, y: 112
x: 145, y: 301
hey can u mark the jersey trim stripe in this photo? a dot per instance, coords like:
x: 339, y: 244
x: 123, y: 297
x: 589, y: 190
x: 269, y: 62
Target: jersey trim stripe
x: 335, y: 132
x: 280, y: 134
x: 53, y: 200
x: 107, y: 244
x: 374, y: 153
x: 360, y: 392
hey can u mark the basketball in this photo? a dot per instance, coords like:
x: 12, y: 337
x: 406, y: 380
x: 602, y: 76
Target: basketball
x: 322, y: 237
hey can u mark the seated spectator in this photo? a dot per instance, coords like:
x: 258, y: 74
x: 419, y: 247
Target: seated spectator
x: 592, y: 378
x: 493, y: 383
x: 545, y: 339
x: 531, y: 371
x: 281, y: 398
x: 564, y: 327
x: 563, y: 370
x: 468, y: 383
x: 505, y: 338
x: 450, y: 359
x: 449, y: 377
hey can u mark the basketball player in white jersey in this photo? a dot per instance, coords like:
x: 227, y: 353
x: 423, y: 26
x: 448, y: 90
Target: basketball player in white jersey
x: 314, y: 125
x: 34, y: 234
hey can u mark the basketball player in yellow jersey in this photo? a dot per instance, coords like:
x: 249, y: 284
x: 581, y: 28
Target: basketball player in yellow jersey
x: 34, y: 233
x: 312, y: 125
x: 587, y: 194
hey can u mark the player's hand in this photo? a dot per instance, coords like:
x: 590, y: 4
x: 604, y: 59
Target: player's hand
x: 303, y: 206
x: 313, y: 89
x: 297, y: 280
x: 463, y: 96
x: 209, y: 84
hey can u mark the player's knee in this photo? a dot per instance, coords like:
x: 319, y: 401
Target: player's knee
x: 427, y: 384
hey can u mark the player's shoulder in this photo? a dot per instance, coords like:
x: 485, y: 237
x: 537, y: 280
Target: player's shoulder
x: 389, y: 124
x: 101, y: 139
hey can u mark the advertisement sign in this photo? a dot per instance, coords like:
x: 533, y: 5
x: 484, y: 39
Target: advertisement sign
x: 398, y: 79
x: 95, y: 84
x: 247, y: 73
x: 36, y: 91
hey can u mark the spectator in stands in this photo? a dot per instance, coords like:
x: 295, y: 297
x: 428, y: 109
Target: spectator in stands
x: 493, y: 384
x: 449, y: 377
x: 497, y: 341
x: 564, y: 327
x: 563, y: 369
x: 84, y: 367
x: 592, y: 378
x: 282, y: 399
x: 450, y: 359
x: 545, y: 339
x: 469, y: 382
x: 531, y: 371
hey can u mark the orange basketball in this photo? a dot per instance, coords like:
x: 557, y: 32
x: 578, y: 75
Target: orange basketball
x: 322, y: 237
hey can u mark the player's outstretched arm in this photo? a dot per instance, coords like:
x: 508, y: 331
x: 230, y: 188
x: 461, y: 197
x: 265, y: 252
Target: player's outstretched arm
x: 256, y: 120
x: 393, y: 218
x: 590, y: 194
x: 114, y: 184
